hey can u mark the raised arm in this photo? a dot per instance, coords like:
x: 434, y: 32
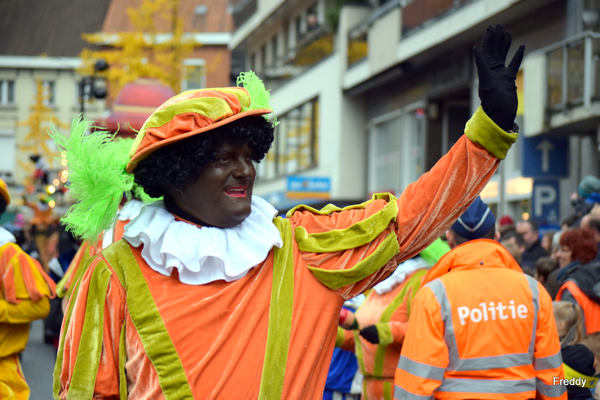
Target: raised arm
x: 350, y: 250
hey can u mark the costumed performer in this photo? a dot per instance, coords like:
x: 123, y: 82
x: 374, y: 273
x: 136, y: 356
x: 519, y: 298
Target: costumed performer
x: 208, y: 295
x: 24, y: 294
x: 380, y: 323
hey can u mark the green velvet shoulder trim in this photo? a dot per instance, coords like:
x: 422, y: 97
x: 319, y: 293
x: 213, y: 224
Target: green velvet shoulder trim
x: 61, y: 345
x: 148, y: 322
x: 356, y: 235
x: 383, y: 328
x: 483, y: 131
x: 280, y: 316
x: 330, y: 208
x: 83, y: 378
x: 336, y: 279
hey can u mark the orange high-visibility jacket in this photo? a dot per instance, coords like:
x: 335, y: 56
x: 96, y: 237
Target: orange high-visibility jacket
x: 480, y: 329
x: 569, y: 291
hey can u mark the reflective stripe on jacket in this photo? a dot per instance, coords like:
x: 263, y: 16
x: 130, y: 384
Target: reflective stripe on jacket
x: 480, y: 329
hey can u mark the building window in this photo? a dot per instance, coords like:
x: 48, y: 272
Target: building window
x: 295, y: 147
x: 194, y: 74
x: 48, y: 90
x: 7, y: 92
x: 396, y: 155
x: 274, y: 51
x: 9, y: 150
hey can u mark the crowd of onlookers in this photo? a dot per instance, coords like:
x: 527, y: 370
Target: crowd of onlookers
x: 567, y: 263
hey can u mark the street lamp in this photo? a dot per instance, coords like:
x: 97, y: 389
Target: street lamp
x: 98, y: 92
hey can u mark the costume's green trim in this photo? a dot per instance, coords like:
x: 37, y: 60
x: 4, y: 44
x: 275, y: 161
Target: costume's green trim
x: 280, y: 316
x: 86, y: 261
x: 148, y: 322
x: 61, y: 345
x: 358, y: 234
x: 336, y: 279
x: 483, y: 131
x: 385, y: 334
x: 330, y: 208
x: 122, y: 359
x: 83, y: 379
x: 387, y: 390
x: 340, y: 337
x: 383, y: 325
x: 359, y: 354
x: 570, y: 373
x: 214, y: 108
x: 60, y: 286
x: 435, y: 251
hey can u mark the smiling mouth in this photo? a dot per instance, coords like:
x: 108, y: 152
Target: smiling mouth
x: 237, y: 191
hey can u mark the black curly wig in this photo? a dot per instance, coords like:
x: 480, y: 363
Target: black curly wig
x: 3, y: 205
x: 180, y: 163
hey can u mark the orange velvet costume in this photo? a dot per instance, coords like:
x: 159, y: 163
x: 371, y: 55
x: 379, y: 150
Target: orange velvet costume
x: 134, y: 333
x: 390, y: 312
x: 25, y: 290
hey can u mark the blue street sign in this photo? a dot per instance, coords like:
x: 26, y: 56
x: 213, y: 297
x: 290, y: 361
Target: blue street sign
x: 308, y: 187
x: 308, y: 184
x: 545, y: 156
x: 545, y: 203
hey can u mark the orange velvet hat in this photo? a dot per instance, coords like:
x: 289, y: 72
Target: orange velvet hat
x: 196, y: 111
x: 4, y: 191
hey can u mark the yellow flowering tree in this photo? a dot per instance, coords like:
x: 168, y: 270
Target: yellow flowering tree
x: 36, y: 140
x: 142, y: 53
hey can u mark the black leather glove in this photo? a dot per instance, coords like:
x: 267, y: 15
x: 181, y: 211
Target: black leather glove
x: 370, y: 334
x: 497, y: 89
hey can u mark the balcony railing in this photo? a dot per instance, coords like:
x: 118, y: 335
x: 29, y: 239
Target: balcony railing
x: 418, y: 13
x: 314, y: 46
x: 572, y: 72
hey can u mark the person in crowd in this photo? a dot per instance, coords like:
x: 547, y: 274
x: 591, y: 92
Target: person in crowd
x: 588, y: 194
x: 546, y: 241
x: 515, y: 244
x: 543, y: 268
x: 529, y: 230
x: 592, y: 222
x: 578, y: 360
x: 506, y: 223
x: 479, y: 327
x: 345, y: 380
x: 25, y: 290
x: 579, y: 275
x: 88, y: 249
x: 380, y: 323
x: 209, y: 295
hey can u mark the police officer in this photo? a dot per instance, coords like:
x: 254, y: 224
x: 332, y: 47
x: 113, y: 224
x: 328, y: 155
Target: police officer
x: 480, y: 328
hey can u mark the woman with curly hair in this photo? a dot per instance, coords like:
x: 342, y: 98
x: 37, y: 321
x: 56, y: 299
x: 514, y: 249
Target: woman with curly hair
x: 579, y: 277
x: 208, y: 295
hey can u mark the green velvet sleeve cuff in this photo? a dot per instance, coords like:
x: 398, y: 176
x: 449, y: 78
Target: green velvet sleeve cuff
x: 482, y: 130
x: 385, y: 333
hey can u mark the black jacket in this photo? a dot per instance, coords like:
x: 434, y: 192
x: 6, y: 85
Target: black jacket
x: 532, y: 254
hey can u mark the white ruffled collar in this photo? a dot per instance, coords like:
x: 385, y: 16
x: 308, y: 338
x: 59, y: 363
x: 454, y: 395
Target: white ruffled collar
x: 131, y: 210
x: 207, y: 254
x: 127, y: 213
x: 400, y: 274
x: 6, y: 237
